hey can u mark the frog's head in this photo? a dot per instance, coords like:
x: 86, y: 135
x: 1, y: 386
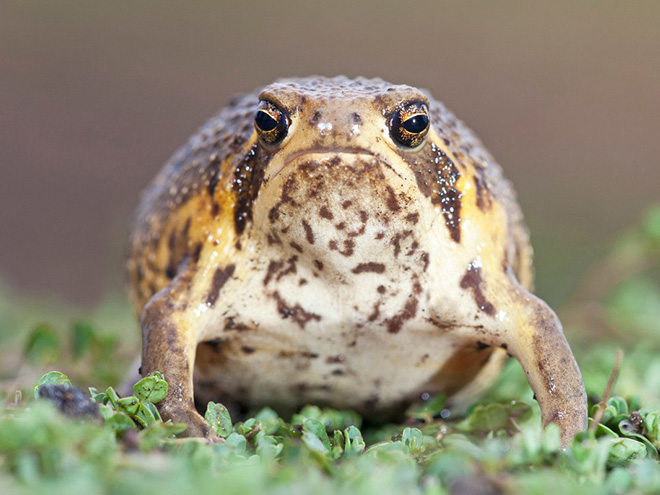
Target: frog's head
x: 340, y: 157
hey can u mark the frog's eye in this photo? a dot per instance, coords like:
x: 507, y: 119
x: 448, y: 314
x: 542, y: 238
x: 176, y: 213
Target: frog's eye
x: 409, y: 124
x: 271, y: 122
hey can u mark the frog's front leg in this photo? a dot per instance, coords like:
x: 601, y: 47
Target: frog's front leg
x: 169, y: 345
x: 531, y: 332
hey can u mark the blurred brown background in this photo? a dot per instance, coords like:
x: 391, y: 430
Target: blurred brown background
x: 95, y: 96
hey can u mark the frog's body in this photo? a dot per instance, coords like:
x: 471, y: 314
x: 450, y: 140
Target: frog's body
x: 335, y: 265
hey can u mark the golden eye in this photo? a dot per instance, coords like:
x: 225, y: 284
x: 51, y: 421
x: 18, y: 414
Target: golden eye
x: 271, y: 122
x: 409, y: 124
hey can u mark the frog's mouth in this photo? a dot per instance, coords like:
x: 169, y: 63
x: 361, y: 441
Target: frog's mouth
x: 320, y: 153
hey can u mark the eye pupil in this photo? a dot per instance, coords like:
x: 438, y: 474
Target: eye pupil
x: 264, y: 121
x: 416, y: 124
x: 271, y: 122
x: 409, y: 124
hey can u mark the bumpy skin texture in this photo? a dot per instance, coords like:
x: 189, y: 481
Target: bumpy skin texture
x: 337, y: 266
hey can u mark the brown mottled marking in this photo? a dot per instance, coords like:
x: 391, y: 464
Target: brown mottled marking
x: 318, y: 264
x: 248, y: 177
x: 412, y: 218
x: 437, y: 177
x: 483, y: 197
x: 309, y: 233
x: 409, y: 311
x: 370, y: 267
x: 391, y: 201
x: 472, y: 280
x: 299, y: 315
x: 247, y: 349
x: 396, y: 241
x: 325, y: 213
x: 346, y: 204
x: 381, y: 289
x: 349, y: 247
x: 220, y: 277
x: 296, y: 246
x: 273, y: 267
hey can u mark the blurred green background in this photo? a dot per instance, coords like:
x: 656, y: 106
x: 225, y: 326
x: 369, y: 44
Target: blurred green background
x: 95, y: 96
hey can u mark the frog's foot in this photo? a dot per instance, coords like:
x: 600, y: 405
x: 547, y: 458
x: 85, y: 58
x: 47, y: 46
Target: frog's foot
x: 531, y: 332
x: 537, y: 341
x: 185, y: 414
x: 168, y: 346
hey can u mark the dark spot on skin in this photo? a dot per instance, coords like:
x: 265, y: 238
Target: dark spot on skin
x: 315, y: 118
x: 346, y: 204
x: 409, y: 311
x: 425, y: 259
x: 196, y: 252
x: 338, y: 372
x: 215, y: 345
x: 214, y: 171
x: 273, y: 267
x: 472, y: 280
x: 296, y: 246
x: 318, y: 264
x: 248, y: 177
x: 483, y: 196
x: 247, y: 349
x: 339, y: 358
x: 412, y: 218
x: 391, y: 201
x: 363, y: 216
x: 325, y: 213
x: 381, y: 289
x: 396, y: 241
x: 220, y: 277
x: 296, y: 312
x: 375, y: 313
x: 273, y: 239
x: 379, y: 236
x: 309, y: 233
x: 302, y: 282
x: 291, y: 268
x: 340, y: 226
x: 436, y: 177
x: 349, y: 247
x: 369, y: 267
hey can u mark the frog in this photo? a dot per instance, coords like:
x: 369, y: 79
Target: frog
x: 348, y: 243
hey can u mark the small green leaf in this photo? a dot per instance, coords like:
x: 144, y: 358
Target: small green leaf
x: 624, y: 451
x: 413, y: 438
x: 317, y: 429
x: 51, y: 378
x: 152, y: 388
x: 218, y: 419
x: 354, y: 443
